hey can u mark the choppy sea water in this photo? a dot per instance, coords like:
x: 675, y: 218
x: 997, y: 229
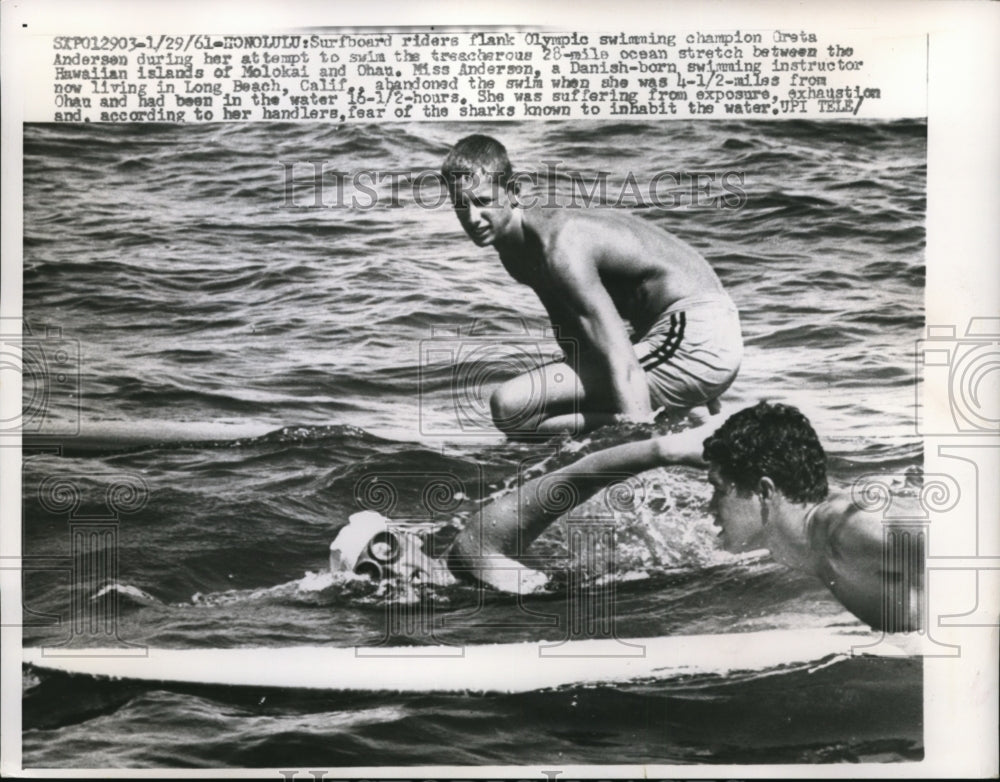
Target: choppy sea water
x: 190, y: 288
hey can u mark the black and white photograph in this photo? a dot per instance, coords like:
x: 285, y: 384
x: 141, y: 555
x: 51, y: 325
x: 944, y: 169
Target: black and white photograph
x: 449, y: 443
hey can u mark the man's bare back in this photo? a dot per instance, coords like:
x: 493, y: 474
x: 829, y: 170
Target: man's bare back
x: 643, y: 268
x: 851, y: 555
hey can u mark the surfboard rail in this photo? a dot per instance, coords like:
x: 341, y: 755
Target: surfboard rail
x: 507, y: 667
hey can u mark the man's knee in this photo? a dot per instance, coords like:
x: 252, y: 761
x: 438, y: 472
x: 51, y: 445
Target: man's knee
x: 509, y: 406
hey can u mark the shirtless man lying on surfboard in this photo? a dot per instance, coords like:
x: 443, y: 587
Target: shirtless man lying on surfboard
x: 591, y: 269
x: 768, y: 470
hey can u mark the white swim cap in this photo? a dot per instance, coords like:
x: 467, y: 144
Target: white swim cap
x: 364, y: 546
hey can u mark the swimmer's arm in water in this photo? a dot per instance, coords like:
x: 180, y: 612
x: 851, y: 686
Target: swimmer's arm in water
x: 592, y: 315
x: 506, y: 527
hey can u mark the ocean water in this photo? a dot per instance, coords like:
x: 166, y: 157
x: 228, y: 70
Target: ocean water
x: 175, y: 275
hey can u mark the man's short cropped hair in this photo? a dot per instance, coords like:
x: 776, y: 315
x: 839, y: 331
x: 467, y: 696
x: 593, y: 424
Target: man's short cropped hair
x: 477, y: 155
x: 772, y: 440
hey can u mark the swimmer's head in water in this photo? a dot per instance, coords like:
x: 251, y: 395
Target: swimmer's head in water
x: 368, y: 547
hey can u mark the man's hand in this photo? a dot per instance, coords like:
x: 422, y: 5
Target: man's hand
x: 507, y: 575
x: 633, y: 419
x: 701, y: 415
x: 686, y: 447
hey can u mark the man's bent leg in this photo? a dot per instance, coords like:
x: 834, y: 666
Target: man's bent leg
x: 523, y: 403
x: 575, y: 423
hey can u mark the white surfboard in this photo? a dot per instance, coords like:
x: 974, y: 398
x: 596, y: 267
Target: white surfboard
x: 117, y: 435
x: 517, y: 667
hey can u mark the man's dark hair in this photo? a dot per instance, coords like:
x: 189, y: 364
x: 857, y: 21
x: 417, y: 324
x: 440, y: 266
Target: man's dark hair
x: 475, y: 155
x: 772, y: 440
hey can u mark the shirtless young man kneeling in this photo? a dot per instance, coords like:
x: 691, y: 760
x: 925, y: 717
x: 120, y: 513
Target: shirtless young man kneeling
x: 592, y: 269
x: 768, y: 471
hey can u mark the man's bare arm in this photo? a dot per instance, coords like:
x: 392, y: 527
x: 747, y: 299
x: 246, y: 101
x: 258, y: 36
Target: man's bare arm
x: 505, y: 528
x: 688, y: 446
x: 595, y: 319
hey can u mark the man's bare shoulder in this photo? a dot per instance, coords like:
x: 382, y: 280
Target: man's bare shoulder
x: 565, y: 236
x: 604, y: 232
x: 840, y: 522
x: 560, y: 225
x: 842, y: 506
